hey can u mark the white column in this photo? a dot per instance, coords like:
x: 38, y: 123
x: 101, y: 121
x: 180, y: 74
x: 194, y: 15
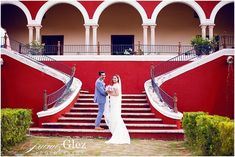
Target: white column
x: 94, y: 31
x: 152, y: 34
x: 145, y: 37
x: 203, y: 27
x: 211, y: 27
x: 38, y: 34
x: 30, y: 33
x: 87, y: 37
x: 152, y: 27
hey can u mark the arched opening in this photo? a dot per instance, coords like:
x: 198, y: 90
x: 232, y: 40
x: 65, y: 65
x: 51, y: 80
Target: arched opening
x: 224, y: 25
x: 176, y: 23
x: 14, y: 21
x: 120, y: 25
x: 64, y: 23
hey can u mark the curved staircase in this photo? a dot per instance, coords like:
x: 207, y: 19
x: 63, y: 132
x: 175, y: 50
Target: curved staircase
x: 136, y: 113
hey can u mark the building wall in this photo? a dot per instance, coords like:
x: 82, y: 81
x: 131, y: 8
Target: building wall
x: 176, y: 23
x: 133, y: 73
x: 64, y: 19
x: 23, y: 86
x: 119, y: 19
x: 208, y: 88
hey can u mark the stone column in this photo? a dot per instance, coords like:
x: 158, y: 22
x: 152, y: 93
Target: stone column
x: 203, y: 27
x: 30, y: 33
x: 211, y: 27
x: 152, y: 27
x: 145, y: 37
x: 87, y: 37
x: 38, y: 34
x: 94, y: 31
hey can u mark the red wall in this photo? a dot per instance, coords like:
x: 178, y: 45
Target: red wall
x: 208, y: 6
x: 133, y: 73
x: 23, y: 86
x: 205, y: 88
x: 33, y: 7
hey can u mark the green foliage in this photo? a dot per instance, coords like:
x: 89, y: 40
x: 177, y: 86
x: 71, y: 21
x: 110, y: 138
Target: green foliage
x: 14, y: 126
x: 189, y: 125
x: 209, y: 135
x: 36, y: 47
x: 226, y: 134
x: 201, y: 46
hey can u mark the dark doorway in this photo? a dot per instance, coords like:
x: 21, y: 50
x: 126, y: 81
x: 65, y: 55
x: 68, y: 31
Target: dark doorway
x: 122, y: 44
x: 51, y: 44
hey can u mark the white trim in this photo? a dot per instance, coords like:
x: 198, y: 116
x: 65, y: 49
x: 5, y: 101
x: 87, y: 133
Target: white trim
x: 155, y: 101
x: 112, y: 58
x: 158, y: 105
x: 45, y: 69
x: 198, y: 62
x: 217, y: 8
x: 194, y: 5
x: 108, y: 3
x: 51, y: 3
x: 22, y: 7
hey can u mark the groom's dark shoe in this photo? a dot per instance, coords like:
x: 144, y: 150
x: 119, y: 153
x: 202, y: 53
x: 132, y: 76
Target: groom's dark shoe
x: 99, y: 128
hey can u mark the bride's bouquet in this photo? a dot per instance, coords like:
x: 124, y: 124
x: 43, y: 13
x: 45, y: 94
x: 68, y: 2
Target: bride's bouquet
x: 109, y: 88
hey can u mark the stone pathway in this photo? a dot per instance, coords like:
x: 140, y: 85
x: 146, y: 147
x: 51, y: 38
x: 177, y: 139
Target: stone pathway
x: 67, y: 146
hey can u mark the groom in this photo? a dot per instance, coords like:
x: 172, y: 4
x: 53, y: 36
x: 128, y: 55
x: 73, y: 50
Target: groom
x: 100, y: 98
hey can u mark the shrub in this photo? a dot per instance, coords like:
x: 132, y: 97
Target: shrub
x: 189, y: 125
x: 201, y: 46
x: 226, y: 134
x: 207, y: 134
x: 15, y: 123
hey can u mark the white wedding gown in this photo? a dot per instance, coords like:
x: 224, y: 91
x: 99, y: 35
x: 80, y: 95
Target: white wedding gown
x: 114, y: 120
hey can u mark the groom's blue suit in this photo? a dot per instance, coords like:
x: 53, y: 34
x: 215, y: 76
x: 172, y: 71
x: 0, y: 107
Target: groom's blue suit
x: 100, y: 98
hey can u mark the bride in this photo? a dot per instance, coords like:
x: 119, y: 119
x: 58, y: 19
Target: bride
x: 112, y: 113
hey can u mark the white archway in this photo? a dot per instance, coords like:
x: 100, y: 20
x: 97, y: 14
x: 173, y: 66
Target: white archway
x: 50, y: 4
x: 217, y: 8
x: 22, y: 7
x: 107, y: 3
x: 195, y: 6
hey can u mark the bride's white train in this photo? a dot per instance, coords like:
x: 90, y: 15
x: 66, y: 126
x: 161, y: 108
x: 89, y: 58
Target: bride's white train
x: 112, y: 114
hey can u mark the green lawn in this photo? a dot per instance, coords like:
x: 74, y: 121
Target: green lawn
x: 68, y: 146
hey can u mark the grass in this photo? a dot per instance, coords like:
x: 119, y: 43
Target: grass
x: 88, y: 146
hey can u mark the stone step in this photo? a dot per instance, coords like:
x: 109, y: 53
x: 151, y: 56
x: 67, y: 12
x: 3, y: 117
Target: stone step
x: 123, y: 114
x: 96, y: 109
x: 163, y: 134
x: 123, y: 95
x: 83, y: 92
x: 93, y: 130
x: 123, y: 104
x: 103, y: 124
x: 135, y: 120
x: 129, y: 100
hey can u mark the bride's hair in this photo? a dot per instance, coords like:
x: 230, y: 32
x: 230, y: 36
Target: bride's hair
x: 118, y: 77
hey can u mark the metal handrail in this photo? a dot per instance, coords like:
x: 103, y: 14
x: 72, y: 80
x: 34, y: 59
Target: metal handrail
x: 166, y: 67
x: 55, y: 97
x: 107, y: 49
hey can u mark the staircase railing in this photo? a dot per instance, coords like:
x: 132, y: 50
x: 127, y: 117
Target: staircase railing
x: 52, y: 99
x: 165, y: 67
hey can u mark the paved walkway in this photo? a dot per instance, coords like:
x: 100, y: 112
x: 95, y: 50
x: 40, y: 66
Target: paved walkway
x: 67, y: 146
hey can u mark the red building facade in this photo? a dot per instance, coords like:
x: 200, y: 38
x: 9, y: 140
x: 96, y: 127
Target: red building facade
x: 90, y: 22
